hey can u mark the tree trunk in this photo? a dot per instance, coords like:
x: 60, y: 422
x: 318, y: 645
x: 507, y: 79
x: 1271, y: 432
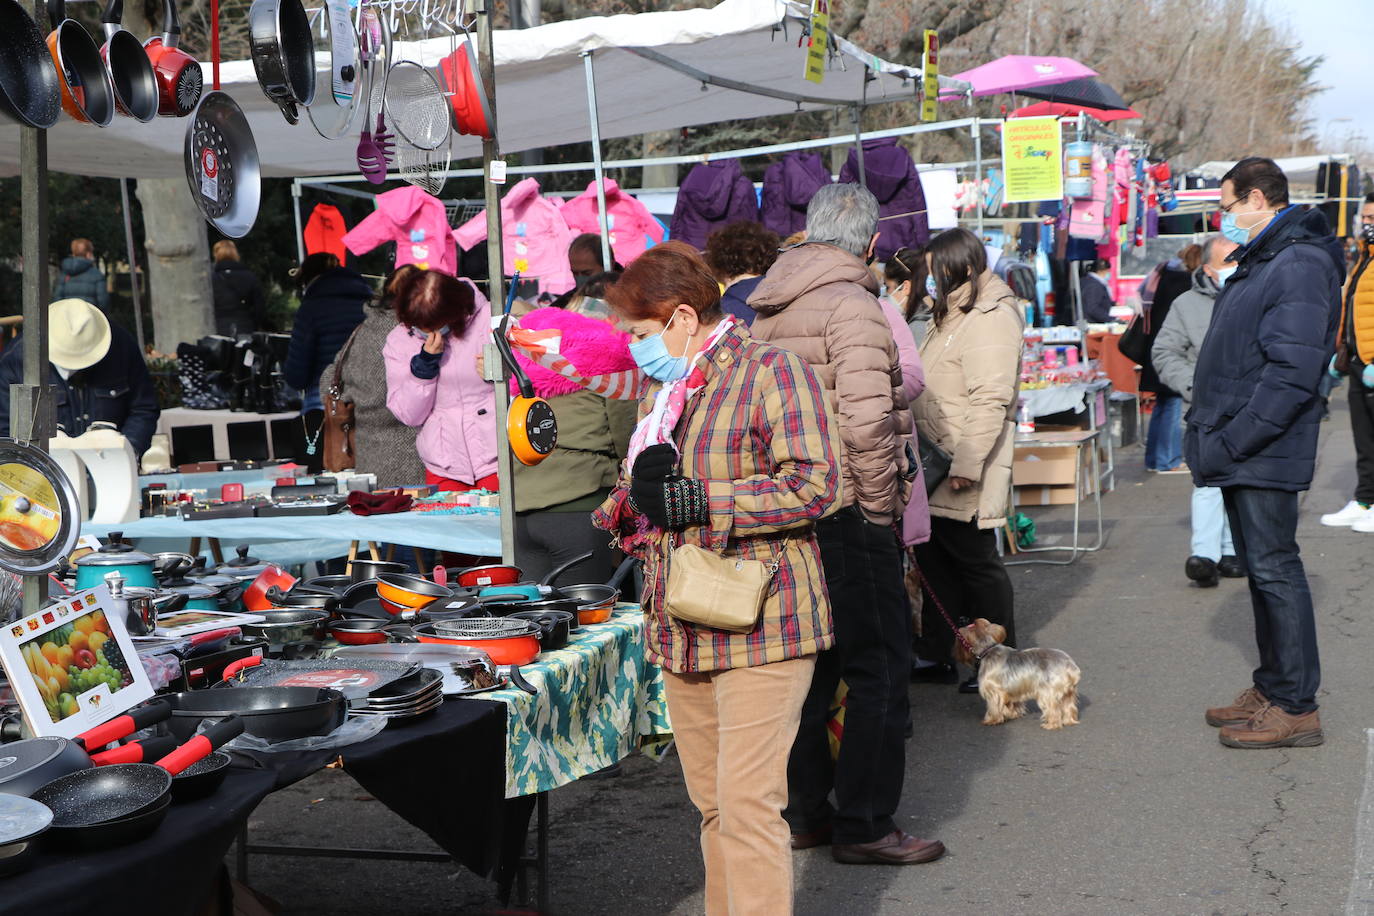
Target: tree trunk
x: 178, y: 263
x: 660, y: 143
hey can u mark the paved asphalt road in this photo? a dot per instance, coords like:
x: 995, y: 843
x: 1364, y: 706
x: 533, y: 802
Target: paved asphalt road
x: 1138, y: 810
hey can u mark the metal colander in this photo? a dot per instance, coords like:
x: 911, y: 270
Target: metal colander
x: 416, y: 107
x: 484, y: 628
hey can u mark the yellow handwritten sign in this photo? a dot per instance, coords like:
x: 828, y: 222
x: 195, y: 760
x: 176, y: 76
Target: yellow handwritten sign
x: 1032, y: 159
x: 930, y: 76
x: 818, y: 50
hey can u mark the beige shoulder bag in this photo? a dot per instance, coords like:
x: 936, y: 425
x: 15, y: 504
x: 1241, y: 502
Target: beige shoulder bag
x: 710, y: 590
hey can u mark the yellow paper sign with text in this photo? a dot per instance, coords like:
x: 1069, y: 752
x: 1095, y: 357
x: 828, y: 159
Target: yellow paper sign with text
x: 819, y: 47
x: 1032, y: 159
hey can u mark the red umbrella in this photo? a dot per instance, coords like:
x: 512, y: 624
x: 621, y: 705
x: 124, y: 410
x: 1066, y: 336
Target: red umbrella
x: 1065, y: 110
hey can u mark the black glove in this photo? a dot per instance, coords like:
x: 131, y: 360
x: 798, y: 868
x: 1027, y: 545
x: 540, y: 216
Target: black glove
x: 667, y: 501
x: 657, y: 462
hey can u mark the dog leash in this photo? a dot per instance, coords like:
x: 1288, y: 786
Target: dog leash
x: 925, y: 583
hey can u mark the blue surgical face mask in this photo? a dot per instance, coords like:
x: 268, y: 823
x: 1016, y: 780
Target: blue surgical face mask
x: 931, y: 289
x: 1224, y: 274
x: 1232, y: 230
x: 651, y: 354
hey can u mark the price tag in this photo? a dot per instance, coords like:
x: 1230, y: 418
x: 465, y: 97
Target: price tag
x: 498, y: 171
x: 209, y: 175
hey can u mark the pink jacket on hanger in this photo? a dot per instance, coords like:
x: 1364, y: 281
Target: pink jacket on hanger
x: 632, y: 227
x: 454, y: 411
x: 416, y: 222
x: 534, y: 237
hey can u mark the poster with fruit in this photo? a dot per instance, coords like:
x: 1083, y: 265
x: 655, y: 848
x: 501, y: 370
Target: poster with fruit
x: 72, y: 665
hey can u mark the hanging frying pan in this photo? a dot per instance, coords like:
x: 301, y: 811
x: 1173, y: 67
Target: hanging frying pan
x: 283, y: 53
x: 467, y: 96
x: 222, y: 165
x: 531, y: 426
x: 179, y: 80
x: 87, y: 93
x: 30, y: 89
x: 131, y: 72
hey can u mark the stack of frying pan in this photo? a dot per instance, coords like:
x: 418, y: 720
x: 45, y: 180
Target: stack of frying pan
x: 108, y: 798
x: 411, y: 696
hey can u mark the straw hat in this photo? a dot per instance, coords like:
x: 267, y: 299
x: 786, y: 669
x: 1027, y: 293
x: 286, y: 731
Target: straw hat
x: 78, y: 334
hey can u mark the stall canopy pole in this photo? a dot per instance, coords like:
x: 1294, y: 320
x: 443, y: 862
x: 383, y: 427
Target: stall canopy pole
x: 856, y: 115
x: 495, y: 368
x: 300, y: 233
x: 133, y: 264
x: 594, y: 117
x: 31, y: 411
x: 978, y: 173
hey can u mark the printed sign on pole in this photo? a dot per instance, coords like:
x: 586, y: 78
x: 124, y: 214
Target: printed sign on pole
x: 930, y: 76
x: 819, y: 48
x: 1032, y: 160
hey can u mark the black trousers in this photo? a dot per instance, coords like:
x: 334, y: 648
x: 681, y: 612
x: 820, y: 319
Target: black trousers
x: 960, y: 564
x: 872, y: 654
x: 1264, y: 526
x: 1362, y: 427
x: 546, y: 540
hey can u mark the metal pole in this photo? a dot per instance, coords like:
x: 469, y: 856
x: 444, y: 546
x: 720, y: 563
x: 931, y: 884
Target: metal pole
x: 594, y: 117
x: 31, y: 413
x: 300, y: 233
x: 856, y: 115
x: 978, y: 173
x: 505, y: 469
x: 133, y: 264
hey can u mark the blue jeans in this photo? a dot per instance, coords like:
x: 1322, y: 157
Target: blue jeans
x: 1264, y: 523
x: 1164, y: 441
x: 1211, y: 530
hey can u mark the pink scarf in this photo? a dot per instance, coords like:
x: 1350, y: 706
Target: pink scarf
x: 657, y: 426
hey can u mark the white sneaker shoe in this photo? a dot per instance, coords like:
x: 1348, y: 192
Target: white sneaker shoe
x: 1365, y: 523
x: 1347, y: 517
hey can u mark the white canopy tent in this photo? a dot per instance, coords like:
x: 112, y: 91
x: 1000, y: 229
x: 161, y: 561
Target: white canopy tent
x: 654, y: 71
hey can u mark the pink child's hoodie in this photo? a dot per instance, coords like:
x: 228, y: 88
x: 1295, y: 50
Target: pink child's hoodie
x: 416, y: 222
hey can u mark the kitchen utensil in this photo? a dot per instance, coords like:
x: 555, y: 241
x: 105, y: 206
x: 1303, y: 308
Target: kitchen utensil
x: 255, y: 595
x: 281, y: 627
x: 354, y: 680
x: 30, y: 87
x: 301, y: 601
x: 22, y: 822
x: 361, y: 632
x: 375, y: 40
x: 274, y: 713
x: 414, y: 103
x: 462, y: 81
x: 464, y: 669
x: 532, y: 591
x: 492, y: 574
x: 123, y: 726
x: 201, y: 778
x: 531, y: 426
x: 172, y: 564
x: 333, y: 113
x: 361, y: 570
x: 358, y: 596
x: 145, y: 751
x: 243, y: 566
x: 100, y: 794
x: 222, y: 165
x: 283, y: 52
x: 409, y: 591
x: 508, y: 642
x: 553, y: 626
x: 132, y: 605
x: 179, y: 79
x: 324, y: 585
x: 27, y: 765
x: 108, y: 834
x: 88, y: 96
x: 131, y: 72
x: 115, y: 556
x: 595, y: 603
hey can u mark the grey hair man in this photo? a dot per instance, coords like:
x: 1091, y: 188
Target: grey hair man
x: 817, y: 300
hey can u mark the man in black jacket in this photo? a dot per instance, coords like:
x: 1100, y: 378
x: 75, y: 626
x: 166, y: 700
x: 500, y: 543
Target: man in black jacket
x: 97, y: 373
x: 1252, y: 430
x: 240, y: 303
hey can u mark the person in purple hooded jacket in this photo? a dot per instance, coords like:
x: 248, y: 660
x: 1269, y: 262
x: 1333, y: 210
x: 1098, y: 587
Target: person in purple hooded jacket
x: 714, y: 194
x: 892, y: 177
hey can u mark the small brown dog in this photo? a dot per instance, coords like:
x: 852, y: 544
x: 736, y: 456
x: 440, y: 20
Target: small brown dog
x: 1007, y: 678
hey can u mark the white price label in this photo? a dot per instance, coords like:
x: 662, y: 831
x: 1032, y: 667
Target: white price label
x: 498, y: 171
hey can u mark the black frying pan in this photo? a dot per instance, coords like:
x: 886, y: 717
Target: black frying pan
x: 30, y: 91
x: 283, y: 53
x: 117, y: 832
x: 131, y: 72
x: 201, y: 778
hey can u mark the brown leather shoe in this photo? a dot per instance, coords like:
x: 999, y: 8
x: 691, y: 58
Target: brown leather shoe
x: 812, y: 838
x: 1273, y: 727
x: 897, y: 848
x: 1239, y: 712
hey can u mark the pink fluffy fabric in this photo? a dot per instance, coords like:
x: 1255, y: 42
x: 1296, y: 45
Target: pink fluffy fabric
x: 592, y: 345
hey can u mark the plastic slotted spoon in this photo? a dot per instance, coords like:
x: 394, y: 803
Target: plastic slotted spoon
x: 376, y: 45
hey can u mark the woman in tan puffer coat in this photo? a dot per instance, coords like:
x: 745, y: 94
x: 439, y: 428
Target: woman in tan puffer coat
x: 972, y: 358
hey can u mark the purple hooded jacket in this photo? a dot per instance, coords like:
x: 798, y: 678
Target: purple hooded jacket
x: 788, y: 186
x: 714, y: 195
x: 893, y: 180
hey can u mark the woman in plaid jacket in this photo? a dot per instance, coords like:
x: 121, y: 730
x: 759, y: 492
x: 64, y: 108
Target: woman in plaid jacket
x: 735, y: 452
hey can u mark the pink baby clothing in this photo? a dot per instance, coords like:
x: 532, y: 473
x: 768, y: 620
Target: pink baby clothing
x: 534, y: 237
x: 416, y: 222
x: 632, y: 227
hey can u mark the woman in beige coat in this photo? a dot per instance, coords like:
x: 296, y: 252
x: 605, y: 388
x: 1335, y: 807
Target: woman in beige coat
x: 972, y: 358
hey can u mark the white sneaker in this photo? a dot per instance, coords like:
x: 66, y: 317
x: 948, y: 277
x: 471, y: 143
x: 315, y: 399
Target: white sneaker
x: 1347, y: 517
x: 1365, y: 523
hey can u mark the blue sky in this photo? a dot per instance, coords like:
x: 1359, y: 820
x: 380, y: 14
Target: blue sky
x: 1343, y: 32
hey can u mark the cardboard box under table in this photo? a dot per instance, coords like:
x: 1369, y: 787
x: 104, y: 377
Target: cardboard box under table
x: 1063, y: 467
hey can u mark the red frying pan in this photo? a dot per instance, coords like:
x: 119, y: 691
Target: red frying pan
x: 179, y: 79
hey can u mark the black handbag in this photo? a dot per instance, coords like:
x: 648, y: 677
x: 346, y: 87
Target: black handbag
x: 935, y: 461
x: 1134, y: 342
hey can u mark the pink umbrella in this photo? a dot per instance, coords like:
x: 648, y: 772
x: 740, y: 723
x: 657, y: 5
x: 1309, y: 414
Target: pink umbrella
x: 1018, y: 71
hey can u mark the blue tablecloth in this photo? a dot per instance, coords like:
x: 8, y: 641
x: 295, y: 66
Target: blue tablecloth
x: 476, y: 534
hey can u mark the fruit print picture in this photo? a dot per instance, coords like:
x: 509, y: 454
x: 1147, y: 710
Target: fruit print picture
x: 75, y: 659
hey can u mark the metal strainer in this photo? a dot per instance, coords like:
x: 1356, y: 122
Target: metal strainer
x: 484, y: 628
x: 416, y: 107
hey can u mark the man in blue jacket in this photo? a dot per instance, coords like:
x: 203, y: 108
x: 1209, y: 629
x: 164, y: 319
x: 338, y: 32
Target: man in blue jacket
x: 1252, y: 431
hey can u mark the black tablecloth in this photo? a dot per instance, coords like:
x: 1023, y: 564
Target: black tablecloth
x: 176, y: 869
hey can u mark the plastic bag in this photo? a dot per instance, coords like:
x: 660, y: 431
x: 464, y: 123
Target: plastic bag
x: 353, y: 731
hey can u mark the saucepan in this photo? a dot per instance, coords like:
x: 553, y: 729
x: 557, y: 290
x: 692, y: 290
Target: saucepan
x: 532, y: 590
x: 131, y: 72
x: 87, y: 93
x: 283, y: 51
x: 30, y: 88
x: 179, y: 80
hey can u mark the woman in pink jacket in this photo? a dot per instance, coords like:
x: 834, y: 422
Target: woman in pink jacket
x: 432, y: 381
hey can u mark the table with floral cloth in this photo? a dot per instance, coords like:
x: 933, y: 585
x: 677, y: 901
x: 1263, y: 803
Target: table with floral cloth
x: 596, y: 699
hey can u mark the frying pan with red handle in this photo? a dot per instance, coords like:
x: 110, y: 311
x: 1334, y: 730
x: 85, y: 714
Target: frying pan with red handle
x: 125, y: 725
x: 145, y: 751
x: 202, y: 745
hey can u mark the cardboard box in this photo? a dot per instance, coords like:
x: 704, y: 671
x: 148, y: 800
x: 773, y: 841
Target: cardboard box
x: 1036, y: 466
